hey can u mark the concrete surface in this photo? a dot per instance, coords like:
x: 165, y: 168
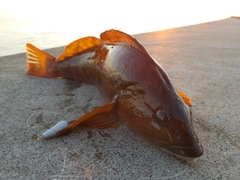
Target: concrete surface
x: 201, y: 60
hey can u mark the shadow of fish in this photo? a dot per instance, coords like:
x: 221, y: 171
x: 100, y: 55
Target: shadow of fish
x: 139, y: 91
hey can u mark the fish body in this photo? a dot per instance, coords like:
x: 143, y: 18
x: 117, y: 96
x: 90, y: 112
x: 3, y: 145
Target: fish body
x: 137, y: 88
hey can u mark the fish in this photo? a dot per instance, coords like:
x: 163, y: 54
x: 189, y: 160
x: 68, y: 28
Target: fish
x: 136, y: 88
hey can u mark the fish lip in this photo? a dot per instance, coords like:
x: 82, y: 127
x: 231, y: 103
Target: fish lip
x: 168, y: 150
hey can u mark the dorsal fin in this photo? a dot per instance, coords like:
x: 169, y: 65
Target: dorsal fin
x: 79, y: 46
x: 112, y: 35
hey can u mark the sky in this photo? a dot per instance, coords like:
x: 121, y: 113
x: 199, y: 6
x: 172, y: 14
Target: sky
x: 94, y: 16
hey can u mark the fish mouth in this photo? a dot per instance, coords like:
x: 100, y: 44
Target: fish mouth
x: 184, y: 152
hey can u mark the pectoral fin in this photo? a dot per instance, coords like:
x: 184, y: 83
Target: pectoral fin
x: 101, y: 117
x: 185, y: 98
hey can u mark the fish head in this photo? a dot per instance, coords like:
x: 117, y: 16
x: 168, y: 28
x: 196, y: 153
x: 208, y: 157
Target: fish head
x: 155, y: 110
x: 168, y: 126
x: 174, y: 132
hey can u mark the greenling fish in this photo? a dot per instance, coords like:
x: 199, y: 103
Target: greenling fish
x: 138, y: 90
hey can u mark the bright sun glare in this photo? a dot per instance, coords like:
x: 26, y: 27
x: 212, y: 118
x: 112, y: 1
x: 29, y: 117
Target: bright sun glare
x: 130, y: 16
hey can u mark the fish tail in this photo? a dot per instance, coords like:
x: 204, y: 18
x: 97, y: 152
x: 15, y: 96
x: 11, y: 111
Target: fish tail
x: 40, y: 63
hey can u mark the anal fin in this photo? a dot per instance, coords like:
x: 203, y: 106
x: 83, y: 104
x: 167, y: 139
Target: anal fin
x: 102, y: 117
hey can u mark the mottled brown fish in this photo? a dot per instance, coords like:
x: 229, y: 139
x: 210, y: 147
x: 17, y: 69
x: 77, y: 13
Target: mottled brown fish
x: 137, y: 88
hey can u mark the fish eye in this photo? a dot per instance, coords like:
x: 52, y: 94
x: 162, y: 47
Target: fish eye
x: 161, y: 117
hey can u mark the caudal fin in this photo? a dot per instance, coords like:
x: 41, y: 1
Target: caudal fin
x: 40, y: 63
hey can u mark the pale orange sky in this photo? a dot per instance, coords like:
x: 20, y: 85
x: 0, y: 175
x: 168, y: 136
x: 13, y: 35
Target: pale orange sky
x: 94, y: 16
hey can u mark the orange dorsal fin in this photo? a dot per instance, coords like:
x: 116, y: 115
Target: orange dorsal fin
x: 101, y: 117
x: 79, y: 46
x: 185, y: 98
x: 113, y: 36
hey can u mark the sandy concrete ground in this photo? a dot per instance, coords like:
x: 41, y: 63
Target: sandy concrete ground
x: 201, y: 60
